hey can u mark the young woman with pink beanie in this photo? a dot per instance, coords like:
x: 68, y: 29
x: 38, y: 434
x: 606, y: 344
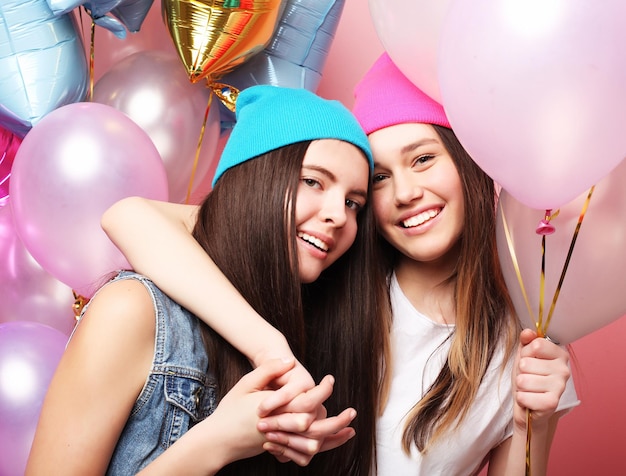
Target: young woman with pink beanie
x: 461, y: 384
x: 459, y: 373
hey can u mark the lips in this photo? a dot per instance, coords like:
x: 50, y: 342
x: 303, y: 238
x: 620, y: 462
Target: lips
x: 420, y: 218
x: 312, y: 240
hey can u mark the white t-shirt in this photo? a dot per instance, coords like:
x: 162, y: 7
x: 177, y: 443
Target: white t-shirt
x: 420, y: 347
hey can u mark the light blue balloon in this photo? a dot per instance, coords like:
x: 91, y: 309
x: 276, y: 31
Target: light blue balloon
x: 130, y: 13
x: 297, y: 52
x: 59, y: 7
x: 43, y: 64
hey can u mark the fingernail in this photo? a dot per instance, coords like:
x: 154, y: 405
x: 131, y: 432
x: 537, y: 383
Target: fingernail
x: 262, y: 426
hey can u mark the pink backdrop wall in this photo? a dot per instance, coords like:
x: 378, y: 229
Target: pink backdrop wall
x: 590, y: 439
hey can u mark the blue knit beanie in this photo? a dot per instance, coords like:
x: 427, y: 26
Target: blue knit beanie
x: 270, y: 117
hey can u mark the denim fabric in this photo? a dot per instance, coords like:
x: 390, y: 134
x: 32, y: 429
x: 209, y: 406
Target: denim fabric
x: 179, y: 391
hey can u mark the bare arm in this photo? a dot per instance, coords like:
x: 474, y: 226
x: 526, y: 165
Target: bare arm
x: 156, y: 239
x: 96, y: 383
x: 540, y: 377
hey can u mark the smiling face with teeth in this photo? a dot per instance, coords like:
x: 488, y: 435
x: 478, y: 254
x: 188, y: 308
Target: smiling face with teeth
x: 332, y: 190
x: 417, y: 193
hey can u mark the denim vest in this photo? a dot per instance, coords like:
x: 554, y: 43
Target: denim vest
x: 178, y: 393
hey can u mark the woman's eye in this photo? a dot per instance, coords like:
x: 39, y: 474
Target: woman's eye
x: 422, y: 159
x: 352, y: 205
x: 378, y: 178
x: 309, y: 182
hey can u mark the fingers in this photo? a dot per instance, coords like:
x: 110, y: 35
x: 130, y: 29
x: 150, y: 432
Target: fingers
x: 309, y: 401
x: 533, y: 346
x: 297, y: 415
x: 297, y: 448
x: 261, y: 377
x: 542, y: 373
x: 293, y: 383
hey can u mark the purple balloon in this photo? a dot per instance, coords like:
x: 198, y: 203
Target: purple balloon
x: 71, y: 167
x: 27, y: 291
x: 29, y: 355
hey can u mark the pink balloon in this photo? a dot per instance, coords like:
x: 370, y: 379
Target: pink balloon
x: 535, y: 92
x: 9, y: 143
x: 410, y: 32
x: 592, y: 294
x: 27, y: 291
x: 153, y: 90
x: 73, y: 165
x: 29, y: 355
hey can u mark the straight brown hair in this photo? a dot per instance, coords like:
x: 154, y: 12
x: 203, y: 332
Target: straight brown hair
x: 485, y: 320
x: 247, y: 226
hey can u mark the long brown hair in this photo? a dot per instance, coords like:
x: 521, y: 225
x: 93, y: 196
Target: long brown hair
x: 332, y: 325
x: 485, y: 320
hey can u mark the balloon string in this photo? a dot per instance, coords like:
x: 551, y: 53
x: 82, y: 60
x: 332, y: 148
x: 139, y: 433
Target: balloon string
x: 91, y: 59
x: 542, y: 329
x: 529, y: 431
x: 199, y: 146
x: 518, y: 274
x: 542, y: 285
x: 569, y: 256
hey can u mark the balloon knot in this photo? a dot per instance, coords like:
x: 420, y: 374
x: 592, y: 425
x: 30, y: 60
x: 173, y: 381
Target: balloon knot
x: 545, y: 227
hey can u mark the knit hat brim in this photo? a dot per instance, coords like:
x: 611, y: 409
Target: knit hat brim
x: 270, y: 117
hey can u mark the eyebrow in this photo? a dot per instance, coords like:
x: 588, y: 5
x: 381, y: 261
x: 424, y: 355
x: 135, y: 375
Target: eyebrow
x: 333, y: 177
x: 415, y: 145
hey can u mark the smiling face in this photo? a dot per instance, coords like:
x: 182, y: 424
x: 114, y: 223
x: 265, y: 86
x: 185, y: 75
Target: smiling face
x: 417, y: 193
x: 332, y: 190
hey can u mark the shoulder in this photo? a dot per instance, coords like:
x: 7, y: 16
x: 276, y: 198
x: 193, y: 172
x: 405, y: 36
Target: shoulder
x: 121, y: 314
x: 120, y: 299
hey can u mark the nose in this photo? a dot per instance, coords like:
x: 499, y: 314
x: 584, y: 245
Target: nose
x: 406, y: 189
x: 334, y: 210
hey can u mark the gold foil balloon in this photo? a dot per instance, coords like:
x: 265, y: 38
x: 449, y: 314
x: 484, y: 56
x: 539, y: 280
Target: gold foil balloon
x: 214, y: 36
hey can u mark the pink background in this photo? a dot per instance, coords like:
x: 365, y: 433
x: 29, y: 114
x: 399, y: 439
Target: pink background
x: 590, y: 439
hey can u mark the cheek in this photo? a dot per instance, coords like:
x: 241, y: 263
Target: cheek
x: 348, y: 235
x: 380, y: 205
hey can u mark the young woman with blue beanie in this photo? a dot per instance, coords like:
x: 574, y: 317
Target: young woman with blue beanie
x: 144, y: 385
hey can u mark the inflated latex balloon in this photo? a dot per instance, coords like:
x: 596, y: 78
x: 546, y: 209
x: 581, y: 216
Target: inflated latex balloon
x: 592, y: 293
x: 29, y: 355
x: 27, y: 291
x: 72, y: 166
x: 214, y: 36
x: 42, y: 63
x: 153, y: 90
x: 410, y: 31
x: 9, y: 143
x: 296, y: 54
x: 537, y: 100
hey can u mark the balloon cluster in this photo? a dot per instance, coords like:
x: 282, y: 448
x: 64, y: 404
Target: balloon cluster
x: 539, y: 104
x: 70, y: 148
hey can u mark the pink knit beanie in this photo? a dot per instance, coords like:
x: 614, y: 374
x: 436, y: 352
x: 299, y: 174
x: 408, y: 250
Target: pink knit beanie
x: 385, y: 97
